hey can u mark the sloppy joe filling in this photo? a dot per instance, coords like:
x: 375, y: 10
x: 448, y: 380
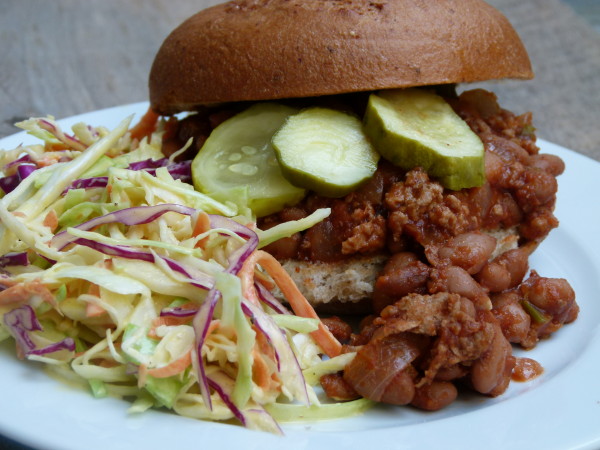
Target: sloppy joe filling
x: 450, y: 300
x: 455, y: 292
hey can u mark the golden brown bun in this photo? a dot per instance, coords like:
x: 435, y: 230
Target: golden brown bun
x: 272, y: 49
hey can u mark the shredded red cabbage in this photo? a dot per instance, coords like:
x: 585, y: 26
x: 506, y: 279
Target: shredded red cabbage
x: 178, y: 312
x: 148, y: 164
x: 129, y: 216
x: 201, y: 281
x: 65, y: 344
x: 223, y: 386
x: 260, y: 326
x: 179, y: 170
x: 201, y: 323
x: 14, y: 259
x: 9, y: 183
x: 71, y: 140
x: 236, y: 260
x: 278, y: 340
x: 88, y: 183
x: 227, y: 400
x: 23, y: 159
x: 269, y: 299
x: 21, y: 321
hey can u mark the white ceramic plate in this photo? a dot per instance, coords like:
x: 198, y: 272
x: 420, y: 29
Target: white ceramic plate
x: 559, y: 410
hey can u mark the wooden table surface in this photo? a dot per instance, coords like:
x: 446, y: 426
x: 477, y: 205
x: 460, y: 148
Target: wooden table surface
x: 66, y: 57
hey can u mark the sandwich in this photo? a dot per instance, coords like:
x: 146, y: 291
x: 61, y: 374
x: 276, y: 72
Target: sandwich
x: 437, y: 198
x: 340, y: 55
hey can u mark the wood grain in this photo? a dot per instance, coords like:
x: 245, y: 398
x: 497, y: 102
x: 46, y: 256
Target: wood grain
x: 67, y: 57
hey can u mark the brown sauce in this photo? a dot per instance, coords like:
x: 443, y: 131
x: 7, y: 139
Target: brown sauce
x: 526, y: 369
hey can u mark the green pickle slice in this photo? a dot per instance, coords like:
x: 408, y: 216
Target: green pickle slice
x: 325, y: 150
x: 238, y: 155
x: 417, y: 128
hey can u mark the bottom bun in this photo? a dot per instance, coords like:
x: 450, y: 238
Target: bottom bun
x: 343, y: 287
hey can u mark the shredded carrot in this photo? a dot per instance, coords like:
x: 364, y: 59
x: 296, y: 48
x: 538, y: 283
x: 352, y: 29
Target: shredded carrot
x: 264, y: 280
x: 93, y: 310
x: 169, y: 321
x: 22, y: 292
x: 202, y: 225
x: 262, y: 375
x: 297, y: 301
x: 108, y: 363
x: 142, y: 375
x: 20, y: 351
x: 51, y: 220
x: 173, y: 368
x: 94, y: 289
x: 260, y: 371
x: 145, y: 126
x: 189, y: 305
x: 212, y: 327
x: 54, y: 146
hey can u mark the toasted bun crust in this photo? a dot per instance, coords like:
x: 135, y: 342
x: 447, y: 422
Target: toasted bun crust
x: 272, y: 49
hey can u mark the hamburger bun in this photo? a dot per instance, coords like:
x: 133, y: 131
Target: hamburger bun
x: 248, y: 50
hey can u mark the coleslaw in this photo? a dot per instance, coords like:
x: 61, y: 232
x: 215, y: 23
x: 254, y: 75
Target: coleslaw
x: 121, y: 278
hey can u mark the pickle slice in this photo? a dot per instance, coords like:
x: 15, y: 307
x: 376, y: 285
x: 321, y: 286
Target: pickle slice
x: 325, y: 150
x: 415, y: 127
x: 238, y: 154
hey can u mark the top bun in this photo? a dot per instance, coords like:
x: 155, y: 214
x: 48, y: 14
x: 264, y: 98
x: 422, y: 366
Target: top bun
x: 272, y: 49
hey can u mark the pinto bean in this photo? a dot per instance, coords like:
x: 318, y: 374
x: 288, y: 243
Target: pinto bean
x: 513, y: 319
x: 400, y: 390
x: 538, y: 188
x: 285, y: 248
x: 337, y: 388
x: 340, y: 329
x: 399, y: 261
x: 434, y: 396
x: 488, y: 372
x: 506, y: 149
x: 468, y: 250
x: 493, y: 167
x: 451, y: 373
x: 402, y: 274
x: 506, y: 270
x: 552, y: 295
x: 494, y: 276
x: 321, y: 242
x: 458, y: 281
x: 551, y: 164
